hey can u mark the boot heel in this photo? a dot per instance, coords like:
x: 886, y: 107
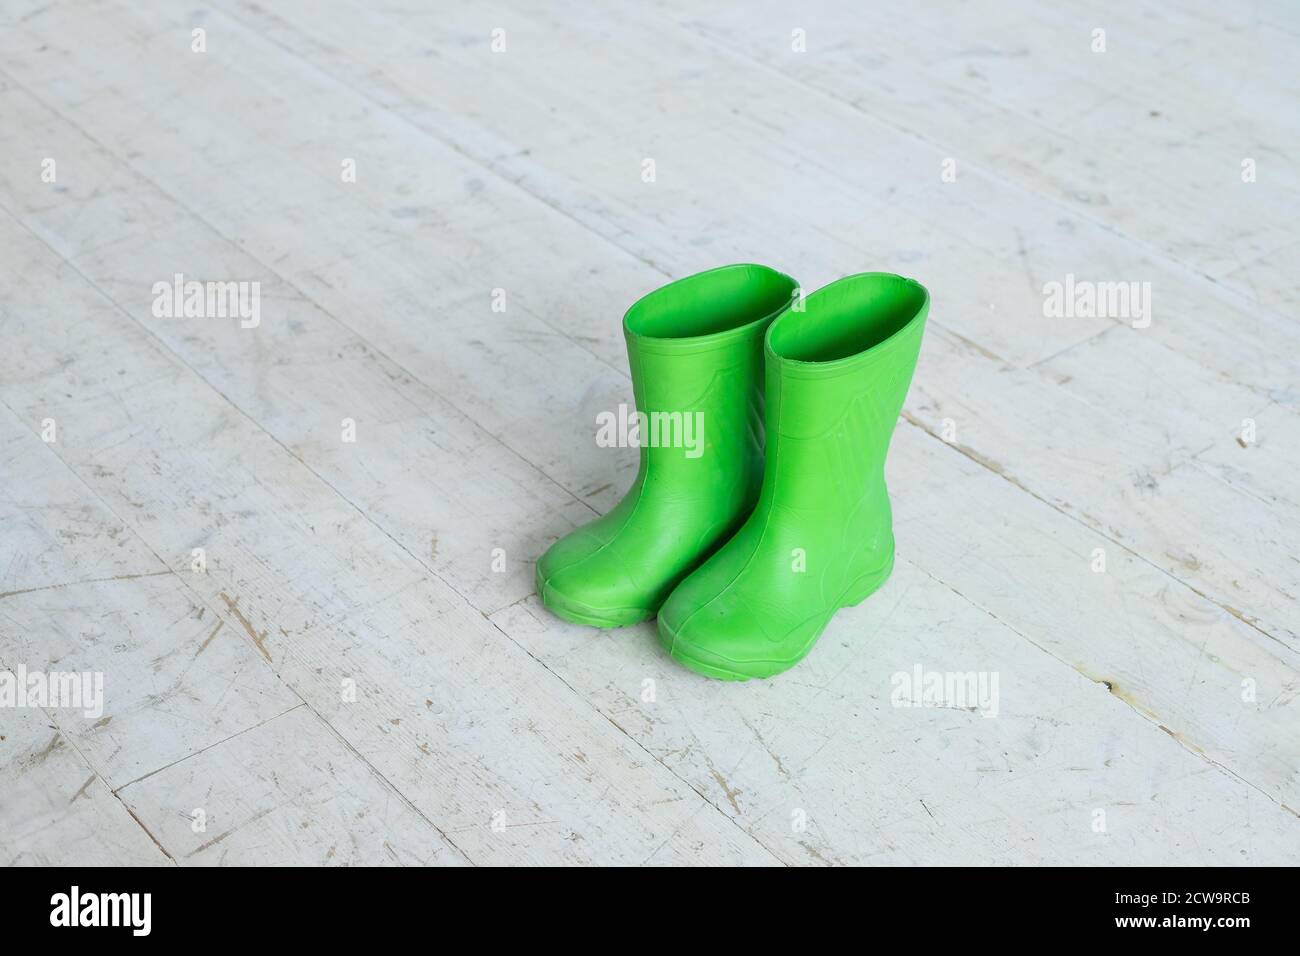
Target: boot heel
x: 865, y: 586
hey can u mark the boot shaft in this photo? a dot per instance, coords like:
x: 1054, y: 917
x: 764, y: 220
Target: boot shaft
x: 695, y: 350
x: 837, y: 374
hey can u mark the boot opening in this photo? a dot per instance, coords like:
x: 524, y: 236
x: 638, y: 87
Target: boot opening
x: 847, y: 317
x: 710, y: 302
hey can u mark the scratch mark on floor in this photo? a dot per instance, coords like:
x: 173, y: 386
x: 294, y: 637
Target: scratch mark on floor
x: 53, y: 745
x: 727, y: 789
x: 258, y: 639
x: 776, y: 758
x: 84, y: 787
x: 68, y: 584
x: 217, y: 839
x: 204, y: 646
x: 816, y: 855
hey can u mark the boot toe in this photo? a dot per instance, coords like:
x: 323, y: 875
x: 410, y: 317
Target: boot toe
x: 589, y: 588
x: 723, y: 641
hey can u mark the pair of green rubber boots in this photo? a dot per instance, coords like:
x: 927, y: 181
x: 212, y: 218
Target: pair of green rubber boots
x: 745, y: 553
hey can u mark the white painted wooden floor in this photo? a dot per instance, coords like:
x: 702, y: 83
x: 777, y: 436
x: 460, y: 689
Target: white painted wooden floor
x: 1103, y: 518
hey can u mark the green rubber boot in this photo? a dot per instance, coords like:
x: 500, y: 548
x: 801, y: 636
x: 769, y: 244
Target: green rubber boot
x: 695, y: 349
x: 821, y: 536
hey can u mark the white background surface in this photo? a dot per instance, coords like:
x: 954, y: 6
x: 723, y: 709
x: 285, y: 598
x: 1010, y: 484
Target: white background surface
x: 1161, y: 696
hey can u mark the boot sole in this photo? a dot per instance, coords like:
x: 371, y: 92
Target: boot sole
x: 854, y: 595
